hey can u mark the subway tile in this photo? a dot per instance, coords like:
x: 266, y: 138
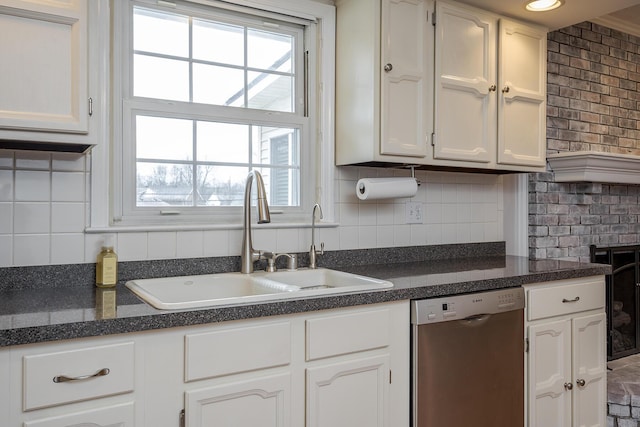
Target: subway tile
x: 190, y: 244
x: 264, y: 239
x: 33, y: 160
x: 349, y: 214
x: 384, y: 236
x: 287, y: 240
x: 385, y: 213
x: 31, y: 249
x: 6, y: 185
x: 6, y: 158
x: 6, y: 218
x: 67, y: 217
x: 67, y: 248
x: 162, y: 245
x: 402, y: 235
x: 216, y: 243
x: 31, y: 218
x: 367, y: 237
x: 68, y: 162
x: 348, y: 238
x: 6, y: 250
x: 32, y: 186
x: 68, y: 187
x: 132, y: 246
x: 367, y: 214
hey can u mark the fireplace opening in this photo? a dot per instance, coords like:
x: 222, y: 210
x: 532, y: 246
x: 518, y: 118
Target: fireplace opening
x: 622, y: 298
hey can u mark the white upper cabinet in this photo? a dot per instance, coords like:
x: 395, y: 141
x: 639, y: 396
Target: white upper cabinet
x: 384, y: 81
x: 403, y: 105
x: 522, y: 111
x: 490, y: 90
x: 444, y: 85
x: 44, y: 68
x: 465, y: 70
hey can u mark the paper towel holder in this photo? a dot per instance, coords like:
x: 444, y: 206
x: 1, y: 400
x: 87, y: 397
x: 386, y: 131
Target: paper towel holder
x: 413, y: 173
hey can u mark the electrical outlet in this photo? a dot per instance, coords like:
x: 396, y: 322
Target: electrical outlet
x: 413, y: 212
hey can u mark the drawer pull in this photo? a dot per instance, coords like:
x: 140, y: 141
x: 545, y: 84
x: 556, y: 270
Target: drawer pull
x: 576, y: 299
x: 63, y: 378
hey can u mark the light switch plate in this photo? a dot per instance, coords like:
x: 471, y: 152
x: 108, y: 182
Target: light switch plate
x: 413, y: 212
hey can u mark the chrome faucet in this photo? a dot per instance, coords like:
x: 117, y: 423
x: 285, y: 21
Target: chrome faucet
x: 312, y: 251
x: 249, y: 255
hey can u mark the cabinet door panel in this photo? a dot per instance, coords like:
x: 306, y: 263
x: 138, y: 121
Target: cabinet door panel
x: 465, y: 69
x: 403, y: 102
x: 549, y: 369
x: 589, y: 362
x: 44, y: 66
x: 262, y: 402
x: 348, y: 394
x: 522, y: 108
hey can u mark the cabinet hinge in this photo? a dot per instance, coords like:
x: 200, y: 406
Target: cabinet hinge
x: 182, y: 418
x: 526, y: 345
x: 433, y: 139
x: 433, y: 19
x: 90, y: 107
x: 389, y: 376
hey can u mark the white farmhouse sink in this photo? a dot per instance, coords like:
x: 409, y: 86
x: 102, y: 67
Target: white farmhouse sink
x: 185, y: 292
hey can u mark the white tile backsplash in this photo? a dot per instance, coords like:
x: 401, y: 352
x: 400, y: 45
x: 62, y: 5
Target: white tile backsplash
x: 44, y: 206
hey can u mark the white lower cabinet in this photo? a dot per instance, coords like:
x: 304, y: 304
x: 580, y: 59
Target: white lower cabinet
x: 352, y: 393
x: 331, y: 368
x: 566, y: 361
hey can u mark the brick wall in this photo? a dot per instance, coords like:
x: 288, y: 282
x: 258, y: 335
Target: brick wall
x: 593, y: 96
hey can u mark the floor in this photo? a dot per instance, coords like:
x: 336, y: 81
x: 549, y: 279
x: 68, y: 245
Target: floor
x: 623, y: 392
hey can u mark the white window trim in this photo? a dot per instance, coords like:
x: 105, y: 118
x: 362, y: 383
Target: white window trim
x: 101, y: 156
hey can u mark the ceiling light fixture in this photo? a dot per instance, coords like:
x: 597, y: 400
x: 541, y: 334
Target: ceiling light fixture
x: 543, y: 5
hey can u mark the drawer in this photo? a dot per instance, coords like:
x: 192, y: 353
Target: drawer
x: 235, y: 350
x: 565, y: 299
x: 70, y: 376
x: 349, y: 333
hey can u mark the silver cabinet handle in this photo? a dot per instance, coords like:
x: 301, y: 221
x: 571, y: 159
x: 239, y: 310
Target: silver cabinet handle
x: 388, y: 67
x: 505, y: 89
x: 581, y: 382
x: 568, y: 386
x: 63, y: 378
x: 576, y: 299
x: 492, y: 88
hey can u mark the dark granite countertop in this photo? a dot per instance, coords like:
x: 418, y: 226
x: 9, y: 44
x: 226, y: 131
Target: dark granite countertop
x: 32, y: 314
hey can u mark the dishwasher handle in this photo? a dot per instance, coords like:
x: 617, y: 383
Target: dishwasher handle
x: 475, y: 320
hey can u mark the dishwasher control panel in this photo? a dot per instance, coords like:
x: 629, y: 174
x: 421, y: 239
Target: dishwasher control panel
x: 464, y: 306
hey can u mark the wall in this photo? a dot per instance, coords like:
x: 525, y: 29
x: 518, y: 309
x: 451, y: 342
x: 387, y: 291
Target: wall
x: 593, y: 92
x: 45, y: 206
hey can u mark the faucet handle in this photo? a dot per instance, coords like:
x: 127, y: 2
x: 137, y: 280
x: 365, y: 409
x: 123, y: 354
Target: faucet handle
x: 292, y: 261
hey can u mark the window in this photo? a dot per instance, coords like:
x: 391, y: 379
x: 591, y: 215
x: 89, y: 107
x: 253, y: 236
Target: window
x: 209, y: 91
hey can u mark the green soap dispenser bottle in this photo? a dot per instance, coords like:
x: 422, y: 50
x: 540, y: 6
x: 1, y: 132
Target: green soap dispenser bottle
x: 107, y: 266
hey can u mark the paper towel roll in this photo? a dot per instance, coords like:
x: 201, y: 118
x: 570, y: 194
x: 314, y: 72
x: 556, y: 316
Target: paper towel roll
x: 386, y: 188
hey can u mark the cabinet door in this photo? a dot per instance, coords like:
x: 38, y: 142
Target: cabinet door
x: 589, y: 371
x: 403, y: 105
x: 549, y: 362
x: 261, y: 402
x: 111, y: 416
x: 465, y: 82
x: 522, y: 109
x: 348, y: 394
x: 44, y: 65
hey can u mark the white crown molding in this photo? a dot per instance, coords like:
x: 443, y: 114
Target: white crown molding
x: 618, y: 24
x: 592, y: 166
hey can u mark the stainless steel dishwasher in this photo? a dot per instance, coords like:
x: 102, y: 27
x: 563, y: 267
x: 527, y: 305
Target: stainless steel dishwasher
x: 468, y: 360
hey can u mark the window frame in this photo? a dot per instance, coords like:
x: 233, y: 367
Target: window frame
x: 320, y: 159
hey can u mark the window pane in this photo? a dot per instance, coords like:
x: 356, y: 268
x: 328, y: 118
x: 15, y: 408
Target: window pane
x: 160, y: 78
x: 269, y: 51
x: 218, y: 85
x: 163, y: 138
x: 223, y: 142
x: 270, y: 92
x: 160, y: 32
x: 161, y: 184
x: 267, y: 139
x: 223, y: 185
x: 217, y: 42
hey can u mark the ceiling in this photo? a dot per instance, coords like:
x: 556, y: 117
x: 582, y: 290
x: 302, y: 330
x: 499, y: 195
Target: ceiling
x: 623, y: 15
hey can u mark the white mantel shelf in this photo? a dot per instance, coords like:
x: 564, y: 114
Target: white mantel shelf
x: 593, y: 166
